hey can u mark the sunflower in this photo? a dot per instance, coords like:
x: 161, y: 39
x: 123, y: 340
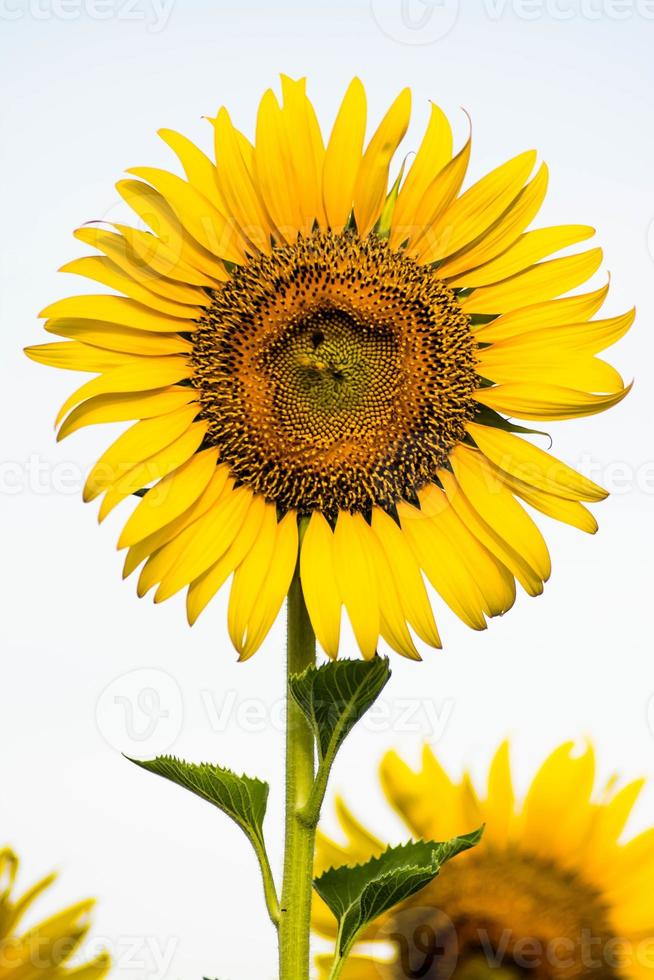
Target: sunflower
x: 45, y: 949
x: 553, y: 890
x: 320, y: 360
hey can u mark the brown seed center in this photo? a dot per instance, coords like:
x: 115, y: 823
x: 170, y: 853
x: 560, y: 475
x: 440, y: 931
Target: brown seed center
x: 335, y: 374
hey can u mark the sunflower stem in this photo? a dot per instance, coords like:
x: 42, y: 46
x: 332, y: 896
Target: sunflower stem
x: 295, y: 913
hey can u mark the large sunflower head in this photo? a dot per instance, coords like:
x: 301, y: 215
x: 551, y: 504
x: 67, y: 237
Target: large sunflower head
x: 43, y: 950
x: 554, y: 891
x: 320, y: 360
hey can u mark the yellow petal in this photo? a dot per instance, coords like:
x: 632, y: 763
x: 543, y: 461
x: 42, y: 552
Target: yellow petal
x: 499, y: 806
x: 116, y: 247
x: 435, y: 201
x: 272, y: 159
x: 154, y: 468
x: 27, y: 899
x: 111, y: 336
x: 407, y: 576
x: 560, y: 368
x: 489, y: 535
x: 343, y: 156
x: 103, y: 270
x: 74, y: 356
x: 138, y: 374
x: 636, y: 856
x: 65, y: 929
x: 443, y: 566
x: 553, y: 828
x: 609, y: 827
x: 170, y: 498
x: 499, y: 508
x: 589, y: 337
x: 205, y: 586
x: 532, y: 465
x: 494, y: 582
x: 162, y: 547
x: 361, y: 843
x: 552, y: 313
x: 171, y: 258
x: 504, y: 232
x: 211, y: 229
x: 135, y: 445
x: 199, y: 169
x: 434, y: 153
x: 527, y: 250
x: 319, y: 586
x: 249, y: 578
x: 412, y: 795
x: 356, y: 580
x: 391, y: 614
x: 123, y: 407
x: 632, y: 916
x: 540, y: 282
x: 117, y: 309
x: 239, y: 188
x: 275, y: 585
x: 307, y: 151
x: 180, y: 246
x: 547, y: 402
x: 477, y: 208
x: 206, y: 541
x: 372, y: 178
x: 568, y: 511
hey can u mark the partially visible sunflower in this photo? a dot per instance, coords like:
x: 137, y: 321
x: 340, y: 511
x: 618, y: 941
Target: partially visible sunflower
x: 44, y: 950
x: 554, y: 890
x: 301, y: 337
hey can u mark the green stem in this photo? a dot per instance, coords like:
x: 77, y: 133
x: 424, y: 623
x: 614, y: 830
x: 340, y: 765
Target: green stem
x: 295, y: 913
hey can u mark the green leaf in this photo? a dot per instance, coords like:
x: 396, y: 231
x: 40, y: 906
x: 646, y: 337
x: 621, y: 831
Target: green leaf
x: 335, y: 696
x: 242, y: 798
x: 361, y: 893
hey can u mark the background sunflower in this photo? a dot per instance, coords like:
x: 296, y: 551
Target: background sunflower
x: 42, y: 949
x: 555, y: 889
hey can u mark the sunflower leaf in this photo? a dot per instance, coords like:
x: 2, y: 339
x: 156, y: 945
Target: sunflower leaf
x: 242, y: 798
x: 361, y: 893
x: 336, y: 695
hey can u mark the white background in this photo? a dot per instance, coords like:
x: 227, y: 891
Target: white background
x: 85, y: 85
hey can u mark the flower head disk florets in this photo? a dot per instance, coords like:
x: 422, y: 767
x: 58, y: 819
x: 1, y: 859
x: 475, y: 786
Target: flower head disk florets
x: 335, y: 374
